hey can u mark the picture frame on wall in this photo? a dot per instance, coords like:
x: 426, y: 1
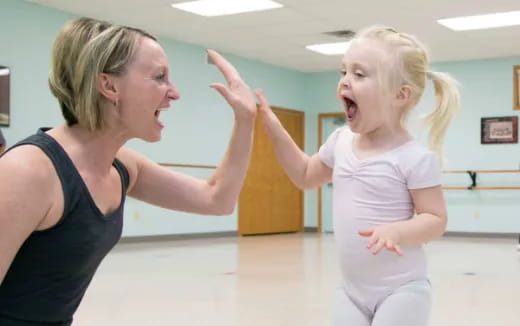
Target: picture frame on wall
x: 4, y: 95
x: 516, y: 88
x: 499, y: 130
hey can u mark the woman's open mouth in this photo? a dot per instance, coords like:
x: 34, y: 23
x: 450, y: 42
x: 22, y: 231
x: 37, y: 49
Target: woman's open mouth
x: 157, y: 113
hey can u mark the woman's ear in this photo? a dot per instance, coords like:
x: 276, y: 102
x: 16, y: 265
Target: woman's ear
x: 107, y: 87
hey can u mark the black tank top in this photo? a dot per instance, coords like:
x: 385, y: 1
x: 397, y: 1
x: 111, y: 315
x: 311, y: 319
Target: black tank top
x: 53, y: 268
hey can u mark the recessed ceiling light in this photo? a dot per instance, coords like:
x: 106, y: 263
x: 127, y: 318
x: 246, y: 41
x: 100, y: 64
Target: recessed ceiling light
x: 482, y: 21
x: 210, y: 8
x: 329, y: 48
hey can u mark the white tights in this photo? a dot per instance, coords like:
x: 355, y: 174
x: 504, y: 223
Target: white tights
x: 408, y: 305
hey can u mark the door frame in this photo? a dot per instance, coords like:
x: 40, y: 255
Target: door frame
x: 321, y: 116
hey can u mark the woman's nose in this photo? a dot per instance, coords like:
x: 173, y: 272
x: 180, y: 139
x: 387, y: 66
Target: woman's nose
x: 173, y: 94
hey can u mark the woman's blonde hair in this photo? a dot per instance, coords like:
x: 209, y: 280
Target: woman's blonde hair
x: 407, y: 64
x: 83, y: 49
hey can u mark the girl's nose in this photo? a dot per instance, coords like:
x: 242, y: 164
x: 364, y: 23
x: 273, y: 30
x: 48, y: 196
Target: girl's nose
x: 345, y: 81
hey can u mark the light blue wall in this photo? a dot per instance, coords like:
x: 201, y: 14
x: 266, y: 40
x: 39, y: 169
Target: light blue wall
x: 26, y: 36
x: 486, y: 91
x: 198, y: 125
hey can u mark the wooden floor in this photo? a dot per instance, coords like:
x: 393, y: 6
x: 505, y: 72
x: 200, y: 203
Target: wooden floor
x: 284, y: 280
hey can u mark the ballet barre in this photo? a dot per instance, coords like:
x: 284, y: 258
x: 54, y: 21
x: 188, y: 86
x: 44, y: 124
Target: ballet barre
x: 193, y: 166
x: 473, y: 176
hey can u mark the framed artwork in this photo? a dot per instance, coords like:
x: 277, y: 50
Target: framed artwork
x: 499, y: 130
x: 4, y: 96
x: 516, y: 88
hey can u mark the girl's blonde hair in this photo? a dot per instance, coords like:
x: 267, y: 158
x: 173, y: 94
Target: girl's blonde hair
x: 83, y: 49
x: 407, y: 64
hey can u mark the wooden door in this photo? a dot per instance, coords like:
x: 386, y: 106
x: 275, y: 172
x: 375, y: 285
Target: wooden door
x: 269, y: 201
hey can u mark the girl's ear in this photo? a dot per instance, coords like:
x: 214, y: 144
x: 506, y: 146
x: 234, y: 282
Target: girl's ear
x: 107, y: 87
x: 404, y: 95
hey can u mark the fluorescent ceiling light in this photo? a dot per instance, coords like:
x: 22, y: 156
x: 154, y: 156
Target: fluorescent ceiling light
x: 329, y: 48
x: 225, y: 7
x: 482, y: 21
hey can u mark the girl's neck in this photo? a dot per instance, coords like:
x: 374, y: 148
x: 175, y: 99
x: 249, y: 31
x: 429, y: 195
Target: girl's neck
x: 382, y: 139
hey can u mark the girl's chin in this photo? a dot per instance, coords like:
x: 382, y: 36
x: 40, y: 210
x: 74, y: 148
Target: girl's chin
x: 355, y: 127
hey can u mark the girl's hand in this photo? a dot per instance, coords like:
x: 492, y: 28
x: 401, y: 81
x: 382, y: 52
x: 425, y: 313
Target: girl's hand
x: 269, y: 119
x: 384, y: 236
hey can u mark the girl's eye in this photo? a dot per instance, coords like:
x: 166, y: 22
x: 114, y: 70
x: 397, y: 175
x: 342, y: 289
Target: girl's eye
x: 359, y: 74
x: 342, y: 72
x: 160, y: 77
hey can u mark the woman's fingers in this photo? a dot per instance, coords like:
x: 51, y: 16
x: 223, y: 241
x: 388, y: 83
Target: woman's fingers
x: 230, y: 73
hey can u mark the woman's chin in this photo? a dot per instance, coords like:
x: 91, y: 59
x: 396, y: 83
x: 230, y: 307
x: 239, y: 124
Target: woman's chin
x: 152, y: 138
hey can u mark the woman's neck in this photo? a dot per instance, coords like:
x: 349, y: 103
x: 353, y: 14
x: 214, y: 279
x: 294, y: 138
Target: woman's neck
x: 89, y: 150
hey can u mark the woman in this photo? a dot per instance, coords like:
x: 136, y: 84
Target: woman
x: 63, y: 189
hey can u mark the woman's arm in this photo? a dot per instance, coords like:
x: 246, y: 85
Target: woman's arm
x: 27, y: 198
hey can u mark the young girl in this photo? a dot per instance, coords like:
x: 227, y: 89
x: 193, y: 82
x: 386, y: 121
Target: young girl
x: 387, y: 197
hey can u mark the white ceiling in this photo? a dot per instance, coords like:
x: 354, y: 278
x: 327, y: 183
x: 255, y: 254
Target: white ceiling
x: 279, y: 36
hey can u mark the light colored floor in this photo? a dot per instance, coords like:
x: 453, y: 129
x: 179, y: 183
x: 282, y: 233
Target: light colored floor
x: 284, y: 280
